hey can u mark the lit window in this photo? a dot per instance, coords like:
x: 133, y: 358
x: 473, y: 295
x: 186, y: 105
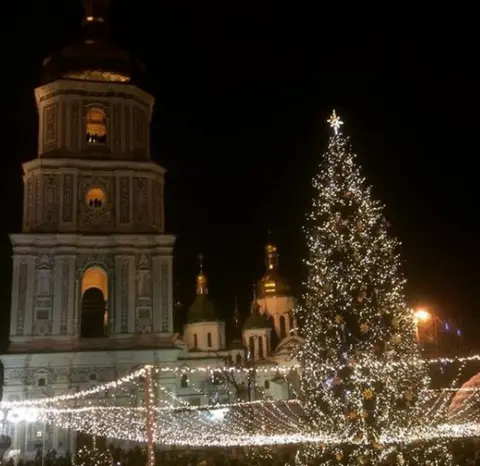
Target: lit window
x: 96, y: 126
x: 96, y: 198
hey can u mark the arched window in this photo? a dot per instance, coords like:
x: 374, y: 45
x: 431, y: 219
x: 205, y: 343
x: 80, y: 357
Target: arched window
x: 94, y: 316
x: 184, y: 381
x: 195, y: 340
x: 209, y: 339
x: 283, y: 330
x: 96, y: 198
x: 238, y: 360
x: 96, y: 126
x: 260, y: 347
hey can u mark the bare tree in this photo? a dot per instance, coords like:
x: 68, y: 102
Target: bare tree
x: 233, y: 379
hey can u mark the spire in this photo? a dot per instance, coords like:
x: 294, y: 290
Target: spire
x: 271, y: 255
x: 254, y: 306
x: 95, y: 11
x: 95, y: 19
x: 236, y: 314
x: 201, y: 279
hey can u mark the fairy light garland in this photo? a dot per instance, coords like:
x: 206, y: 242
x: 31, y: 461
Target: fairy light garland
x: 260, y: 423
x: 362, y: 376
x: 207, y: 370
x: 150, y: 415
x: 92, y: 457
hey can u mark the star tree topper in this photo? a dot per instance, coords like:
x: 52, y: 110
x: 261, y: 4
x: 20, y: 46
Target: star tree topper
x: 335, y: 122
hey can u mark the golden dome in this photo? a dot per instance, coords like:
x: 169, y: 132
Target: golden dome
x: 272, y: 284
x: 202, y: 284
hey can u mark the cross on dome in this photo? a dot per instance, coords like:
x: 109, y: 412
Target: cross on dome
x: 335, y: 122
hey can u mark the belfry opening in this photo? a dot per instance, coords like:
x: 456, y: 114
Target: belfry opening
x: 94, y: 311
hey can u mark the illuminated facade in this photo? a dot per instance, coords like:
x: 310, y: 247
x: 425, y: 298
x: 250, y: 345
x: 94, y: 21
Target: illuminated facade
x: 92, y: 267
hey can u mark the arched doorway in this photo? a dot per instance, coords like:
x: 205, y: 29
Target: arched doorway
x: 94, y: 314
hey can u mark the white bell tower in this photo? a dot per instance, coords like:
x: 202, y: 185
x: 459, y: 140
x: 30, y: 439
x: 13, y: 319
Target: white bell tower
x: 92, y: 267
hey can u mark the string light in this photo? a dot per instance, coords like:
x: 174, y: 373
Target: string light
x: 209, y: 371
x: 362, y: 375
x: 92, y: 457
x: 259, y: 423
x: 150, y: 416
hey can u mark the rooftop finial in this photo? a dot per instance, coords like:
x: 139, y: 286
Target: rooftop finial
x: 95, y: 10
x: 271, y: 255
x: 201, y: 278
x: 236, y: 314
x: 254, y: 306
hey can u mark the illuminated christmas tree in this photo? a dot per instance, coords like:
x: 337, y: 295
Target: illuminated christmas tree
x: 362, y: 374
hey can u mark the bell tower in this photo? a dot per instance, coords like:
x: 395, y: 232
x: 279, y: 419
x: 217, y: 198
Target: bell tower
x: 93, y: 265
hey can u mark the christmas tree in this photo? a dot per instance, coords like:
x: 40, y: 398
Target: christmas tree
x: 362, y: 374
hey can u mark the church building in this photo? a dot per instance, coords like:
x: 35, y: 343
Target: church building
x: 92, y: 267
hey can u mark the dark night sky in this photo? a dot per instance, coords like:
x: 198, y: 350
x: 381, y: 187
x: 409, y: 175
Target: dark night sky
x: 242, y: 92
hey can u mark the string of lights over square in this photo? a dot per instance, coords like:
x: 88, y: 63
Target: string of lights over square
x: 365, y: 395
x: 361, y: 369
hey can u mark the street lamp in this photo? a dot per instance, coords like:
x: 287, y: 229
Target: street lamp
x: 420, y: 316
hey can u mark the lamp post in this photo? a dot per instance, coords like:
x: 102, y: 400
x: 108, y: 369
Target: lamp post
x: 421, y: 316
x: 251, y: 372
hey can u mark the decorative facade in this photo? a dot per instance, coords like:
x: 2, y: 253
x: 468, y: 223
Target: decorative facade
x: 92, y: 268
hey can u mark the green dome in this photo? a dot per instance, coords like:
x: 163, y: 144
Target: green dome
x: 201, y: 310
x: 257, y: 320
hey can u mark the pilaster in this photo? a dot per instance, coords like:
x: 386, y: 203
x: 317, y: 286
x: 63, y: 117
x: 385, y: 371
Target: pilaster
x: 15, y: 295
x: 57, y: 295
x: 30, y: 295
x: 71, y: 301
x: 132, y: 293
x: 169, y: 326
x: 157, y: 262
x: 118, y: 295
x: 124, y: 294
